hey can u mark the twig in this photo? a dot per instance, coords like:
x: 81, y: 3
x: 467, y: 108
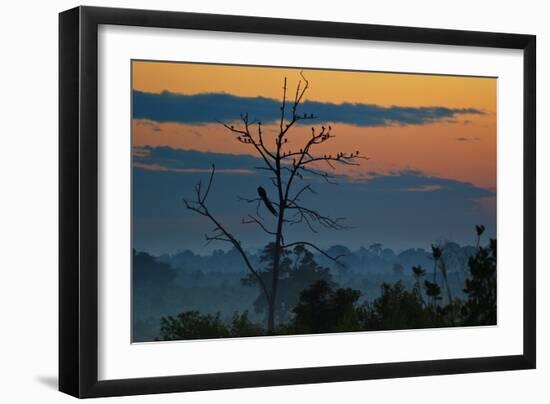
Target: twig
x: 335, y: 259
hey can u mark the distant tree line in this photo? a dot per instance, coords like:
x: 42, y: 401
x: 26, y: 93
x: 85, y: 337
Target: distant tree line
x: 314, y: 303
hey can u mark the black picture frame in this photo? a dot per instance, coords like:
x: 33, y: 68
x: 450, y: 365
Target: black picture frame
x: 78, y: 201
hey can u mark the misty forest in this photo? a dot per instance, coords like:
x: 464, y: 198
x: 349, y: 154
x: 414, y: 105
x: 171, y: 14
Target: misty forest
x: 293, y: 285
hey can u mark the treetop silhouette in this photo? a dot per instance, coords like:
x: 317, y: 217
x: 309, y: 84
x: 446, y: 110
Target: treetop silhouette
x: 289, y: 173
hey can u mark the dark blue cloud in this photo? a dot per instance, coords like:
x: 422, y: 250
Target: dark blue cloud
x: 415, y: 181
x: 179, y: 160
x: 212, y: 107
x: 165, y: 158
x: 400, y: 209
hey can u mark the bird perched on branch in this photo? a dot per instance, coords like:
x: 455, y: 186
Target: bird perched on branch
x: 263, y: 194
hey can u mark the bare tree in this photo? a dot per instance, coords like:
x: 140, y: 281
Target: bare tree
x: 289, y: 172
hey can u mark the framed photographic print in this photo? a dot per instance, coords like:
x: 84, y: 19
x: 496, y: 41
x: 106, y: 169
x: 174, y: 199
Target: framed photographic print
x: 251, y: 201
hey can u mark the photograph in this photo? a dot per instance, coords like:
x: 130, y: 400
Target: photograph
x: 271, y: 200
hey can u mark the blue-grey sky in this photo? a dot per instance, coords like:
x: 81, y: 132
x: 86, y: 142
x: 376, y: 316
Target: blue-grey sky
x: 400, y: 209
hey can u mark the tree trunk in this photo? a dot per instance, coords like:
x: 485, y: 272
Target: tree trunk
x: 276, y: 264
x: 435, y: 282
x: 278, y: 239
x: 271, y: 317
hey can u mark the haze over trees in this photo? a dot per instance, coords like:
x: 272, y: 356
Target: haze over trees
x: 187, y: 296
x: 324, y: 306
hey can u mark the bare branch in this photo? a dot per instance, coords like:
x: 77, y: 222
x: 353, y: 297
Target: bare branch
x: 255, y: 220
x: 340, y: 158
x: 246, y: 137
x: 283, y: 107
x: 335, y: 259
x: 297, y: 196
x: 209, y: 183
x: 310, y: 215
x: 304, y: 218
x: 221, y: 233
x: 324, y: 175
x: 209, y: 239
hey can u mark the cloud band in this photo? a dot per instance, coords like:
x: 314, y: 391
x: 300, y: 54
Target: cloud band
x: 212, y: 107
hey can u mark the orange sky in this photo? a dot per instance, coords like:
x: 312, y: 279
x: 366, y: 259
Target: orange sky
x: 432, y: 148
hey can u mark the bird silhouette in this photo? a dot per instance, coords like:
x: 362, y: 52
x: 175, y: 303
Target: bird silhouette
x: 265, y: 199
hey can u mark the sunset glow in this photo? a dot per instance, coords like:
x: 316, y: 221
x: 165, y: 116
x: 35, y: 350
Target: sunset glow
x: 462, y: 148
x: 440, y: 129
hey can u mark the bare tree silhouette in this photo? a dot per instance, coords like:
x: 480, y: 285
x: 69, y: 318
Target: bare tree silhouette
x: 286, y: 167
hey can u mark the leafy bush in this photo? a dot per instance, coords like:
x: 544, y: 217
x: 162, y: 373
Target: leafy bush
x: 324, y: 309
x: 194, y: 325
x: 397, y: 309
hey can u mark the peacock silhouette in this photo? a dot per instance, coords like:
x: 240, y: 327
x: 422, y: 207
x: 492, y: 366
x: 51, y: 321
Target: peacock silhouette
x: 265, y: 199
